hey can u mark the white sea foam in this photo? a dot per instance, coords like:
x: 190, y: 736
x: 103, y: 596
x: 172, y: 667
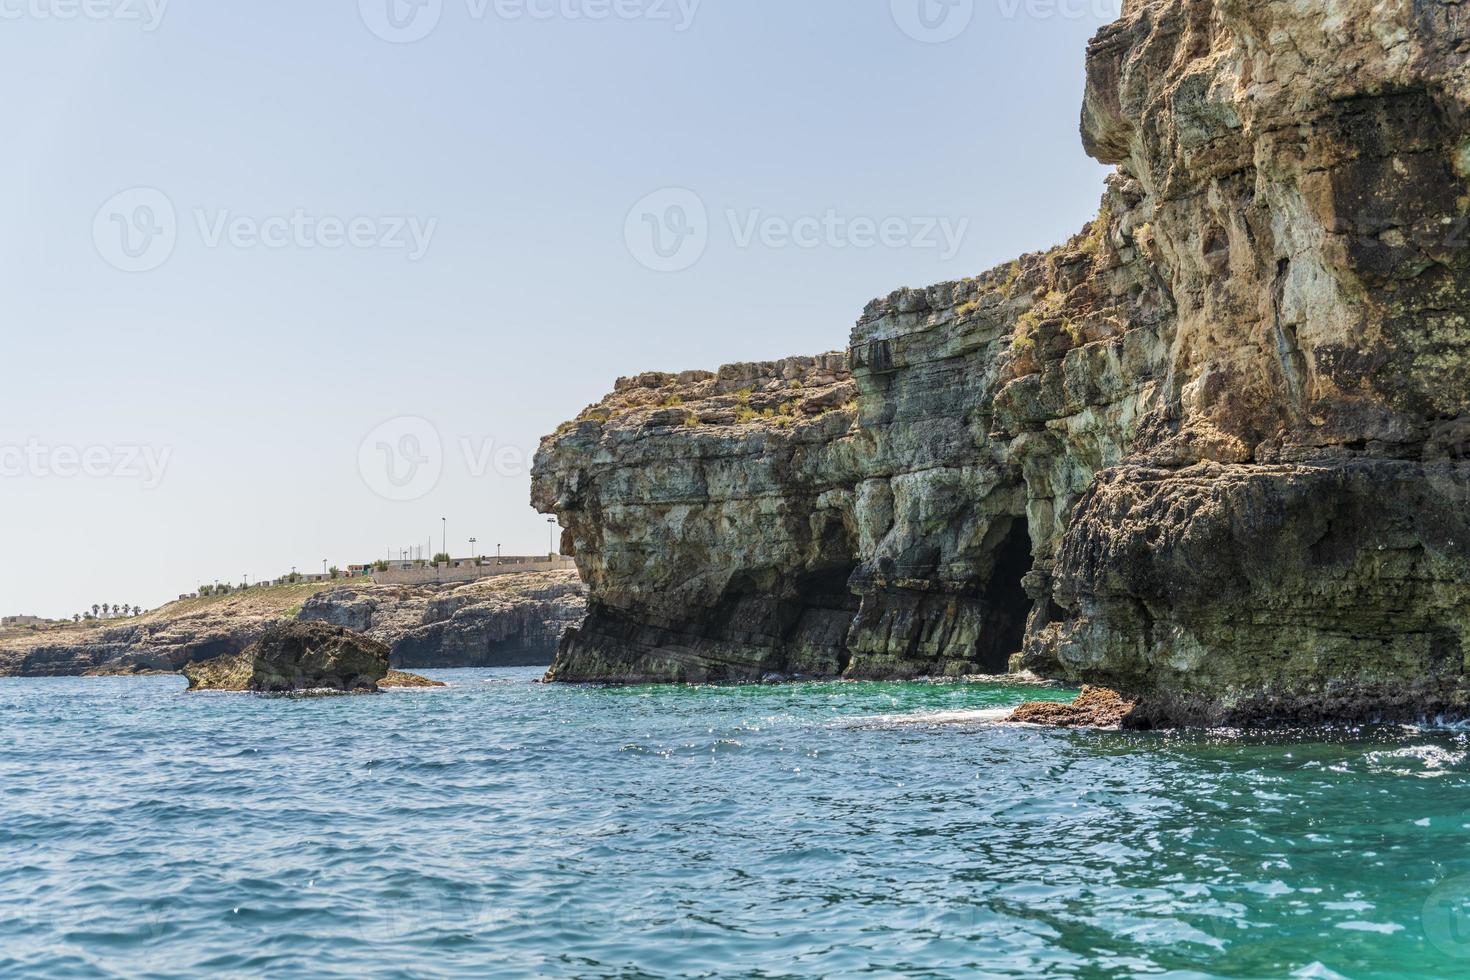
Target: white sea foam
x: 924, y: 719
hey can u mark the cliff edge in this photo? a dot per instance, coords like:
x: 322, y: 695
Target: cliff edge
x: 1210, y: 453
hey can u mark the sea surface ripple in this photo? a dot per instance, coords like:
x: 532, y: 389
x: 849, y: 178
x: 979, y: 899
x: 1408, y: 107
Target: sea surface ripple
x: 505, y: 828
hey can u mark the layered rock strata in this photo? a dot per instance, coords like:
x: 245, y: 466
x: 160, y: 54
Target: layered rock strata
x: 1210, y: 453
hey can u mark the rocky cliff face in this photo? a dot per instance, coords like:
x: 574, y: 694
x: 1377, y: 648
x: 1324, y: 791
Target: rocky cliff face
x: 510, y: 621
x: 515, y: 620
x: 1211, y: 452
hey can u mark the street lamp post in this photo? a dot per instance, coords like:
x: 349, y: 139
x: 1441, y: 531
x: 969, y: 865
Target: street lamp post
x: 473, y: 553
x: 551, y: 548
x: 444, y: 540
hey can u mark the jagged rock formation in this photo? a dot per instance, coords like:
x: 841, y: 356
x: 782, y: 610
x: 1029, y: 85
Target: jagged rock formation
x: 293, y: 656
x: 509, y: 621
x: 515, y: 620
x: 1210, y: 453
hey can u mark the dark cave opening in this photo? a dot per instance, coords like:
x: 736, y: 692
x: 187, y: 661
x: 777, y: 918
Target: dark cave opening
x: 828, y: 586
x: 796, y: 626
x: 1007, y: 606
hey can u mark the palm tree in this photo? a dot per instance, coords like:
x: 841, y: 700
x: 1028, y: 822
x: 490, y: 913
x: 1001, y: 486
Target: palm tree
x: 95, y: 609
x: 76, y: 618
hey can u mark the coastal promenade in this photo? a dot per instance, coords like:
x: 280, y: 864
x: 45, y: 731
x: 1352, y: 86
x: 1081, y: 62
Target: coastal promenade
x: 468, y: 570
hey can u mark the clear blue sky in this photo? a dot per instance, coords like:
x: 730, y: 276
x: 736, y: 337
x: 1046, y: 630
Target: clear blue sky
x: 517, y: 145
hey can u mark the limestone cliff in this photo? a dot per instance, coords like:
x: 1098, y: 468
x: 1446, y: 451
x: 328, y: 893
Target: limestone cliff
x: 1210, y: 452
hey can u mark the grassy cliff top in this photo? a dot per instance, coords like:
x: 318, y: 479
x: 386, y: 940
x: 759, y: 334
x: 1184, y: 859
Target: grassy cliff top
x: 266, y: 602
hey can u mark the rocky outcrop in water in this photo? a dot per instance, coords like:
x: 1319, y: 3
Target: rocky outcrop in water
x: 398, y: 680
x: 1096, y: 707
x: 292, y: 657
x: 1211, y: 452
x: 508, y: 621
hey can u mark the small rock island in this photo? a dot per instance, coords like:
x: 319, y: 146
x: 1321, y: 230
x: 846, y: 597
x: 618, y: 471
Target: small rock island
x: 294, y: 656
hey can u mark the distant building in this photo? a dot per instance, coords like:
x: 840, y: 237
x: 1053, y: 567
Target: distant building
x: 24, y: 621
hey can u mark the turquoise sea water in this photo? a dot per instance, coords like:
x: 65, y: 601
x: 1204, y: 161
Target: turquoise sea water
x: 503, y: 828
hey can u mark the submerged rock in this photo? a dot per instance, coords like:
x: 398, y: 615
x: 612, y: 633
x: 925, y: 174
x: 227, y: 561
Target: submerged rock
x: 1096, y: 707
x: 399, y: 679
x: 1211, y: 453
x: 297, y: 657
